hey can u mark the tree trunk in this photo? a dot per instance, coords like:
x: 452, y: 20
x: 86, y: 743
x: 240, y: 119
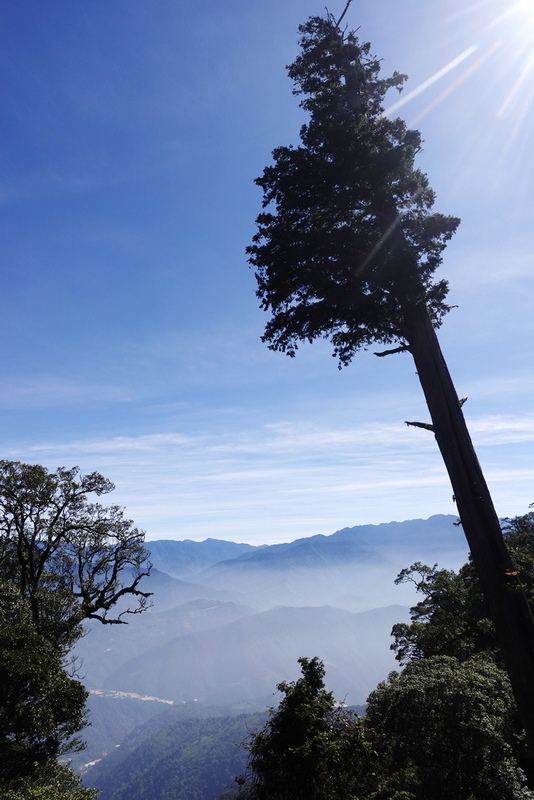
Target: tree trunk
x: 505, y: 599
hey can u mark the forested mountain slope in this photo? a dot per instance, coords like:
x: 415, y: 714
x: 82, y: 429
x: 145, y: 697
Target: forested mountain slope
x: 194, y: 759
x: 246, y: 658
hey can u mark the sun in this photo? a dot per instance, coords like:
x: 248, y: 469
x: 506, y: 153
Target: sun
x: 488, y: 80
x: 516, y: 24
x: 525, y: 10
x: 519, y: 11
x: 502, y: 32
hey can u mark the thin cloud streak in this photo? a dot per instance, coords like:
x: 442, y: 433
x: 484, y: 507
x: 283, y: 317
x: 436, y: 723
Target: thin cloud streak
x: 500, y: 430
x: 284, y: 480
x: 515, y: 385
x: 282, y: 439
x: 290, y: 438
x: 48, y: 391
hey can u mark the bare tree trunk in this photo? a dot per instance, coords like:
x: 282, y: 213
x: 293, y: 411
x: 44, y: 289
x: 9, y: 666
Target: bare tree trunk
x: 504, y: 596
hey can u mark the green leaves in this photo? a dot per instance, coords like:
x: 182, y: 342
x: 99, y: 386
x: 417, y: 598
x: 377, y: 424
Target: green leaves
x: 55, y: 782
x: 311, y: 748
x: 451, y: 619
x: 448, y: 728
x: 41, y: 708
x: 66, y: 555
x: 63, y: 559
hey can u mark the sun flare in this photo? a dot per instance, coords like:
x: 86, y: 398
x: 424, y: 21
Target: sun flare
x: 525, y: 9
x: 489, y: 77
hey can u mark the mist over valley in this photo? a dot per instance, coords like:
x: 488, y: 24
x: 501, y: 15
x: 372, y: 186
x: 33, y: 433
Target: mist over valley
x: 228, y: 622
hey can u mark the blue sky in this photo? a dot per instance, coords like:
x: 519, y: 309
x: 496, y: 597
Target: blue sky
x: 130, y: 331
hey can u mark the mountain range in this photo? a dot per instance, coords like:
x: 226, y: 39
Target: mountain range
x: 229, y: 621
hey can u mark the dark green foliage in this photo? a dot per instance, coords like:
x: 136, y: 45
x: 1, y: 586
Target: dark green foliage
x: 519, y: 536
x: 62, y: 560
x: 55, y: 782
x: 455, y: 687
x: 311, y: 748
x: 195, y: 759
x: 326, y: 261
x: 66, y: 555
x: 452, y: 618
x: 442, y: 729
x: 447, y: 730
x: 41, y: 708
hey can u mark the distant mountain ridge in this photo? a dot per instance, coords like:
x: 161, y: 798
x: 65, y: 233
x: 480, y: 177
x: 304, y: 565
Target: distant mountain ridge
x: 169, y: 592
x: 352, y: 568
x: 315, y: 551
x: 185, y: 558
x: 181, y: 558
x: 229, y: 620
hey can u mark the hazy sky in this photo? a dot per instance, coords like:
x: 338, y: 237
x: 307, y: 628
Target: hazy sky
x: 132, y: 132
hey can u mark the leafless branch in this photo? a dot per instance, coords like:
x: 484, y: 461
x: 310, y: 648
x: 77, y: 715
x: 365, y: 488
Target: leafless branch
x: 402, y: 349
x: 343, y: 14
x: 426, y: 425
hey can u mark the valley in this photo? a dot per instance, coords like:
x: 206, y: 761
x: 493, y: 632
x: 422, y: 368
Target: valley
x: 228, y: 622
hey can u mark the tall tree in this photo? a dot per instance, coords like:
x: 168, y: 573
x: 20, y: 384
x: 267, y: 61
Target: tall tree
x: 70, y: 558
x: 63, y: 559
x: 311, y: 748
x: 346, y: 249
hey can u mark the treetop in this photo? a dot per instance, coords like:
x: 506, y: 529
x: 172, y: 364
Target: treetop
x: 347, y: 233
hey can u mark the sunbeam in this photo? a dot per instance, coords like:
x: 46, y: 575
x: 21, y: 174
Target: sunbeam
x: 451, y: 88
x: 430, y: 81
x: 488, y: 85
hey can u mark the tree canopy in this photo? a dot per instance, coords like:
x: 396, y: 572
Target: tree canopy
x: 454, y: 687
x: 447, y: 730
x: 55, y: 782
x: 41, y: 707
x: 443, y: 728
x: 327, y: 254
x: 63, y: 559
x: 311, y: 748
x: 446, y: 727
x: 69, y: 557
x: 452, y: 618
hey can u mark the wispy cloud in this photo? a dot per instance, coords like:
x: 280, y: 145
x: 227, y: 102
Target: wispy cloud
x: 47, y: 391
x: 503, y: 385
x: 501, y: 430
x: 294, y: 439
x: 279, y: 481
